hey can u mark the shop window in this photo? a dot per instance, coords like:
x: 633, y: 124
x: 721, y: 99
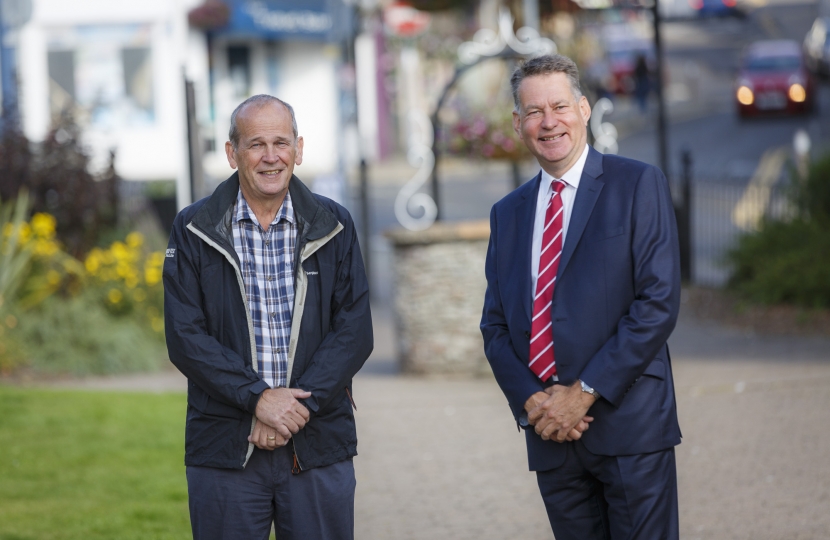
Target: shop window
x: 103, y: 73
x: 138, y: 77
x: 61, y: 65
x: 239, y: 69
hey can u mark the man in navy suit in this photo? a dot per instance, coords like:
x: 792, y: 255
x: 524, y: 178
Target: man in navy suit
x: 597, y: 403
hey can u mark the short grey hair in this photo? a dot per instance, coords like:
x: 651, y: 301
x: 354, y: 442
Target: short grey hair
x: 258, y: 100
x: 545, y: 65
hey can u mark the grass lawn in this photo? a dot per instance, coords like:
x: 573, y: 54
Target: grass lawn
x: 92, y: 465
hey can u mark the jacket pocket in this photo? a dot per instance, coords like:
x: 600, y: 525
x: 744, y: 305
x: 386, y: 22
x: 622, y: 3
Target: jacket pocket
x: 205, y: 404
x: 607, y: 233
x: 656, y: 369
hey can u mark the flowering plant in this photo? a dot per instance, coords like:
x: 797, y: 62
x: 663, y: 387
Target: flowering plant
x: 128, y: 279
x: 484, y: 134
x: 125, y: 277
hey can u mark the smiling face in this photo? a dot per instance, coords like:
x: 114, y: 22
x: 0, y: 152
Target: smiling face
x: 552, y: 122
x: 265, y: 154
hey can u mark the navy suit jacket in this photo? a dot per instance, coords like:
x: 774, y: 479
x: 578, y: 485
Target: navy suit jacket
x: 615, y: 303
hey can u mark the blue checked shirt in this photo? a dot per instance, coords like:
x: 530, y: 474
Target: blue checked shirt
x: 267, y: 258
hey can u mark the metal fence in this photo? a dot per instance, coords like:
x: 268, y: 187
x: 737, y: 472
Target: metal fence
x: 722, y: 210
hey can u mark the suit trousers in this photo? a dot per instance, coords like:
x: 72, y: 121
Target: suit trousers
x: 229, y: 504
x: 592, y: 497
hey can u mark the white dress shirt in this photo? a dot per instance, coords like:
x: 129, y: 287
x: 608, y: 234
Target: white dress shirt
x: 568, y: 194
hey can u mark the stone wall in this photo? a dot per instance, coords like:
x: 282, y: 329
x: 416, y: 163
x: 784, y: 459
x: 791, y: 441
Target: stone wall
x: 439, y: 293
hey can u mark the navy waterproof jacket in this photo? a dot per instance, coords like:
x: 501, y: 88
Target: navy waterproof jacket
x: 210, y: 336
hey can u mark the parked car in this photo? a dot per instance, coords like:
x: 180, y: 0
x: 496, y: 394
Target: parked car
x: 773, y: 78
x: 817, y: 47
x: 716, y: 8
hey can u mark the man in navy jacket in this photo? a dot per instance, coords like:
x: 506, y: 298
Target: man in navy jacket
x: 267, y: 315
x: 601, y: 423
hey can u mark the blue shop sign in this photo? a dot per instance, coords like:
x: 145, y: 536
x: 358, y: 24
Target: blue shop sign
x: 323, y: 20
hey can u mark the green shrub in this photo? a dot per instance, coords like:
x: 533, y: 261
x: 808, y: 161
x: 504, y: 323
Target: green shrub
x: 784, y: 262
x: 789, y: 261
x: 812, y: 193
x: 79, y: 335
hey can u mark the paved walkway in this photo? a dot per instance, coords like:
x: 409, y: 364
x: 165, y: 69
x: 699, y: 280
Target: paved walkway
x: 441, y: 459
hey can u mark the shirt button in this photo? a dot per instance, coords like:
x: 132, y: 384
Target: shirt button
x: 270, y: 278
x: 273, y: 314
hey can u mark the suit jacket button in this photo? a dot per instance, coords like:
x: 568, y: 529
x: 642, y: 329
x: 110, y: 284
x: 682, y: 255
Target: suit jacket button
x: 527, y: 335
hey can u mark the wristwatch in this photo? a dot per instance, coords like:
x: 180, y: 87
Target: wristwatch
x: 588, y: 390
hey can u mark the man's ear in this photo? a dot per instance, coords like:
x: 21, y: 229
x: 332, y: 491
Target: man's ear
x: 298, y: 159
x: 229, y: 151
x: 584, y: 109
x: 517, y: 124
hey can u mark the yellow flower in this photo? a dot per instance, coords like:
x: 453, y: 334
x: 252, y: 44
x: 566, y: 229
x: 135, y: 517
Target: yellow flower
x: 43, y: 225
x: 139, y: 295
x: 119, y: 251
x: 114, y: 296
x: 131, y: 281
x: 135, y: 239
x: 93, y: 261
x: 152, y: 276
x: 45, y: 248
x: 53, y: 277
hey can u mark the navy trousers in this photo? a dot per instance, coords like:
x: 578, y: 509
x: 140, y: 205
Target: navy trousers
x: 593, y: 497
x: 227, y: 504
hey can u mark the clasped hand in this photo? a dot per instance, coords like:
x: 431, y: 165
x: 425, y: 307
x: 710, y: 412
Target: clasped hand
x: 278, y: 416
x: 558, y: 413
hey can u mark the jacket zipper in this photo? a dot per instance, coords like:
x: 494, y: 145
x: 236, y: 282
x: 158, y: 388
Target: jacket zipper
x: 251, y: 335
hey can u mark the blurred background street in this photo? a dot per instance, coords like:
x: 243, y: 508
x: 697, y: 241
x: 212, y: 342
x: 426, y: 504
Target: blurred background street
x: 115, y: 117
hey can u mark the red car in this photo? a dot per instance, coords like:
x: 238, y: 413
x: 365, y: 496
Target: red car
x: 774, y: 79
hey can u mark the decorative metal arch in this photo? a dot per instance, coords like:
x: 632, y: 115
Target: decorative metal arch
x: 423, y: 131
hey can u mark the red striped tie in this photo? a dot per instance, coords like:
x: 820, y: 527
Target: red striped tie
x: 542, y: 362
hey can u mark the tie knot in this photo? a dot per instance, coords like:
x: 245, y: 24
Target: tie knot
x: 557, y: 186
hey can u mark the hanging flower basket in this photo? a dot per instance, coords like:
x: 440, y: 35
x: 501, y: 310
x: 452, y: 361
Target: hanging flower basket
x: 211, y: 15
x: 479, y: 135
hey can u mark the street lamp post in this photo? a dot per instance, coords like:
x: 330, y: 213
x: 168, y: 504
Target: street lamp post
x: 662, y: 130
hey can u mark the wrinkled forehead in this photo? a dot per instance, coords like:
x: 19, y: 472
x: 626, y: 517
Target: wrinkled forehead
x: 546, y: 88
x: 256, y: 116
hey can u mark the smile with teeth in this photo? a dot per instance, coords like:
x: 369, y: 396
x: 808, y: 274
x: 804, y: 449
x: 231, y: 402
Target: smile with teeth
x: 552, y: 138
x: 269, y: 173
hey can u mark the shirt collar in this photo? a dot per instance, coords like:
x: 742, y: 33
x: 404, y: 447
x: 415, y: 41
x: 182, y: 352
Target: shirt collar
x: 243, y: 211
x: 571, y: 176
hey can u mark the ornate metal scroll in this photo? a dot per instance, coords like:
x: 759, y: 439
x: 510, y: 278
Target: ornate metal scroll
x: 605, y: 134
x: 526, y: 41
x: 420, y: 156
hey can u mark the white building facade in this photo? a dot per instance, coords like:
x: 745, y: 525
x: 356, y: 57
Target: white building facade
x: 120, y: 68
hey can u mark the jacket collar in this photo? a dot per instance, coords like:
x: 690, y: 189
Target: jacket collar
x: 215, y: 216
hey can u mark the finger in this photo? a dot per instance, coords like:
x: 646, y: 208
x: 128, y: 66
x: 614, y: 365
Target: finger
x: 302, y: 410
x: 291, y: 425
x: 297, y: 419
x: 574, y: 435
x: 283, y: 431
x: 558, y: 434
x: 299, y: 393
x: 588, y: 419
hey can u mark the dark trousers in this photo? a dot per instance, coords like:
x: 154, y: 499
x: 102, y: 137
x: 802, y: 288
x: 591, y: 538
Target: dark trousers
x: 593, y: 497
x: 230, y: 504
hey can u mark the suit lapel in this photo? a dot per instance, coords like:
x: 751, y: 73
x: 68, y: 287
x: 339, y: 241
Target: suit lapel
x: 525, y: 215
x: 586, y: 197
